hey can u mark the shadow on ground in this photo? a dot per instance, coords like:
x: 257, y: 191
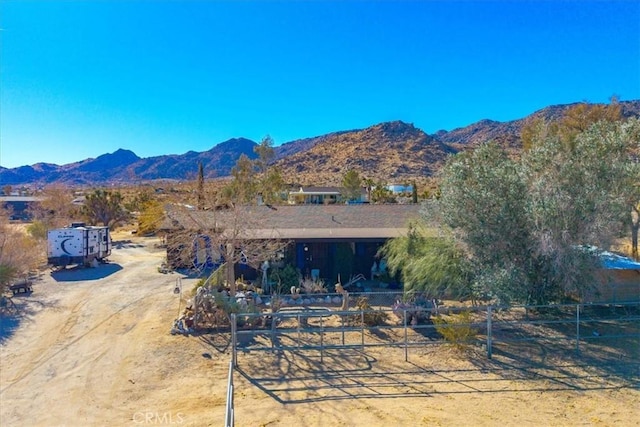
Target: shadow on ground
x: 121, y: 244
x: 79, y: 273
x: 306, y: 376
x: 17, y: 310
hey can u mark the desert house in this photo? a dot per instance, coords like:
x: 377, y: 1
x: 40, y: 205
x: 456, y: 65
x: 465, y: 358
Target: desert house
x: 328, y: 241
x: 320, y: 196
x: 19, y: 206
x: 399, y: 188
x: 324, y: 241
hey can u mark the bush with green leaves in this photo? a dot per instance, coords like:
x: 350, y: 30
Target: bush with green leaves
x: 511, y: 228
x: 370, y: 315
x: 284, y: 279
x: 456, y: 329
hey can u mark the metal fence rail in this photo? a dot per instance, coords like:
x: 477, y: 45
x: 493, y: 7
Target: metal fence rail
x: 324, y: 328
x: 229, y: 416
x: 321, y: 328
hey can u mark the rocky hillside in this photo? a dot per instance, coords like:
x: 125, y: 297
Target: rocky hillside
x: 387, y: 151
x: 124, y: 166
x: 391, y: 151
x: 508, y: 133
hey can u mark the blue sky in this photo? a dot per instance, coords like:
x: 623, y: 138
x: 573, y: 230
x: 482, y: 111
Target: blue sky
x: 82, y: 78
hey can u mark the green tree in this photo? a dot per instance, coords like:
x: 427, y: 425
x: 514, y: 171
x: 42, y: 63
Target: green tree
x: 414, y: 192
x: 56, y: 209
x: 104, y: 207
x: 368, y: 184
x: 243, y: 188
x: 18, y: 252
x: 632, y: 132
x: 634, y: 224
x: 37, y: 230
x: 151, y: 217
x: 233, y: 217
x: 432, y: 264
x: 576, y: 120
x: 271, y: 185
x: 580, y: 117
x: 351, y: 183
x: 481, y: 201
x: 266, y: 154
x: 381, y: 194
x: 139, y: 199
x: 522, y: 221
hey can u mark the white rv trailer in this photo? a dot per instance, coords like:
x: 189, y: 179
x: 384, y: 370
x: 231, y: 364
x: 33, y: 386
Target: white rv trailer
x: 78, y: 244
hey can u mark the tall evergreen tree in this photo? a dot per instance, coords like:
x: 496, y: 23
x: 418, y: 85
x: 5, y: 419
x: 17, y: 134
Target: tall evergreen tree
x: 201, y: 197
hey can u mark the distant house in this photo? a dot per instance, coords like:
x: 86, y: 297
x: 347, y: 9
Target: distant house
x: 18, y: 206
x: 329, y: 240
x: 399, y: 189
x: 320, y: 196
x: 79, y: 201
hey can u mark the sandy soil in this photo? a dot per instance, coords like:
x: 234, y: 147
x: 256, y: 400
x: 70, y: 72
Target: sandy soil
x: 93, y: 348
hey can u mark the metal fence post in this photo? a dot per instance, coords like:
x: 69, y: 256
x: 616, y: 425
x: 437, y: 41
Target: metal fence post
x: 298, y: 330
x: 362, y: 327
x: 489, y: 333
x: 229, y: 415
x: 234, y: 340
x: 342, y: 322
x: 321, y: 340
x: 273, y: 331
x: 406, y: 351
x: 577, y: 328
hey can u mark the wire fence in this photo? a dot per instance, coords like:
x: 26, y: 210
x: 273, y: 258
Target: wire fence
x: 598, y: 333
x: 320, y: 328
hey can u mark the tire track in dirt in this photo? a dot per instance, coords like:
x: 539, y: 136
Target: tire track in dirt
x: 44, y: 358
x: 50, y: 345
x: 72, y: 319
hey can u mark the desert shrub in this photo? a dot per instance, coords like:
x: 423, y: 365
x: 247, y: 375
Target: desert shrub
x: 37, y: 230
x: 370, y: 316
x: 456, y: 329
x: 418, y: 308
x: 19, y: 252
x: 284, y: 278
x: 415, y: 313
x: 310, y: 286
x: 200, y: 283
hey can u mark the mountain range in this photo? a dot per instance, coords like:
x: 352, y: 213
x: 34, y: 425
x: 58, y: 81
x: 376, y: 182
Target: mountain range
x: 390, y: 151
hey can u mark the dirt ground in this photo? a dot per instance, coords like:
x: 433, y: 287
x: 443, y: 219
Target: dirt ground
x: 93, y: 347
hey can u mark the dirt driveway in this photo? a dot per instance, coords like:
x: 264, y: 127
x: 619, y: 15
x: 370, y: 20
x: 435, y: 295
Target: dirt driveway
x: 93, y: 348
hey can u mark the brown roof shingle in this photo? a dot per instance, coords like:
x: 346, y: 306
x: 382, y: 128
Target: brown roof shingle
x: 303, y: 221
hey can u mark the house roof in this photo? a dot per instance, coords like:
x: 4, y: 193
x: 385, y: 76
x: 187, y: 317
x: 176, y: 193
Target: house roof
x: 300, y: 221
x: 316, y: 191
x: 612, y: 261
x: 21, y: 199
